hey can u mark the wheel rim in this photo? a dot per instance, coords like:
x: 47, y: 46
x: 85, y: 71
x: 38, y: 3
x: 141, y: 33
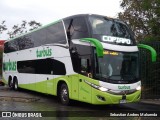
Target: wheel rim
x: 10, y: 84
x: 64, y: 94
x: 15, y: 86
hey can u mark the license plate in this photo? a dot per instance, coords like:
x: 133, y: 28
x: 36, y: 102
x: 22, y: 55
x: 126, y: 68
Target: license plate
x: 122, y: 101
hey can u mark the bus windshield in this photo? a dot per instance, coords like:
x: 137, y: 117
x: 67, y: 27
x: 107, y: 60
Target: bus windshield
x: 118, y: 67
x: 111, y: 31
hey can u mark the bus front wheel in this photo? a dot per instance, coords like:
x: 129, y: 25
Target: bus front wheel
x: 64, y: 94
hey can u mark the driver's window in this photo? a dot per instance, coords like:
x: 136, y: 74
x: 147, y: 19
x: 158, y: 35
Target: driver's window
x: 85, y: 67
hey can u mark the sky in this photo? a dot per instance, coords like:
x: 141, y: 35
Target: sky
x: 47, y: 11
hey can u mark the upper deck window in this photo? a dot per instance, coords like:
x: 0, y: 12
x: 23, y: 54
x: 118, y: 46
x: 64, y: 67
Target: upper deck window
x: 48, y: 35
x: 111, y: 31
x: 76, y: 28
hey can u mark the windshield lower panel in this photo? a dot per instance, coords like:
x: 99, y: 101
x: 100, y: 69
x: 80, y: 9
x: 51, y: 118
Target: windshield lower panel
x: 117, y: 67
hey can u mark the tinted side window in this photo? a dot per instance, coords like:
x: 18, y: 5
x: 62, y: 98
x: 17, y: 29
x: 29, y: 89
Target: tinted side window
x: 85, y: 65
x: 25, y: 42
x: 6, y: 47
x: 76, y: 28
x: 79, y: 28
x: 51, y: 34
x: 11, y: 46
x: 81, y: 52
x: 26, y: 66
x: 79, y: 24
x: 41, y: 66
x: 58, y: 68
x: 39, y: 37
x: 56, y: 34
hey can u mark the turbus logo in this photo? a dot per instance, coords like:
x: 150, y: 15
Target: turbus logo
x: 124, y: 87
x: 10, y: 66
x: 44, y: 53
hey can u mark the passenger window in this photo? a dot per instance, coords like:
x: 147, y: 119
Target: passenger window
x: 76, y: 28
x: 11, y: 46
x: 79, y: 28
x: 41, y: 66
x: 79, y: 24
x: 25, y: 42
x: 39, y: 37
x: 56, y: 34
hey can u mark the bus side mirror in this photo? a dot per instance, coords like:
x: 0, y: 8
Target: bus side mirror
x: 151, y: 49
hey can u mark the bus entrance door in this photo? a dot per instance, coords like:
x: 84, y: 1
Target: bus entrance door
x: 84, y: 88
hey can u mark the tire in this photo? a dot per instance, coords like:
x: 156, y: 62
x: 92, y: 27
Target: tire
x: 15, y: 84
x: 64, y: 94
x: 10, y: 83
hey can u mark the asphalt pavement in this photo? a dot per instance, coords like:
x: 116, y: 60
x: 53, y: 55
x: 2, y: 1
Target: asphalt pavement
x: 24, y: 100
x: 6, y: 94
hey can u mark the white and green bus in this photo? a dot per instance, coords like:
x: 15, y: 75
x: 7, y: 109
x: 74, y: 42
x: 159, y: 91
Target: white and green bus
x: 89, y: 58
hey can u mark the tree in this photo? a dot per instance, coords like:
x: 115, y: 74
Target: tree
x: 24, y: 27
x: 143, y: 16
x: 2, y: 27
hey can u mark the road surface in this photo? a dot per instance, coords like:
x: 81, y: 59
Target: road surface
x: 24, y: 102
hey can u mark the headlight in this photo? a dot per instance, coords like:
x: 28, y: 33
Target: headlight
x: 138, y: 88
x: 103, y: 89
x: 96, y: 86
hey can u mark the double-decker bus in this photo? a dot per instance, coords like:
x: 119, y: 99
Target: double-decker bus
x: 89, y: 58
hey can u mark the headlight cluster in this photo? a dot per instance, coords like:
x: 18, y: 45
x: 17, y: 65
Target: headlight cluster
x: 103, y: 89
x: 96, y: 86
x: 138, y: 88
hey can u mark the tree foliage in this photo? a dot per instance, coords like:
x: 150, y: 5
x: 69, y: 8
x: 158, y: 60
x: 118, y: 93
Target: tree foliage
x: 143, y: 16
x: 2, y: 27
x: 18, y: 29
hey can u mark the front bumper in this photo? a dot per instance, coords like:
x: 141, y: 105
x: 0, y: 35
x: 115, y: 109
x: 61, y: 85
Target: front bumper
x: 99, y: 97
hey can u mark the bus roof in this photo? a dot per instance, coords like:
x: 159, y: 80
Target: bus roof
x: 52, y: 23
